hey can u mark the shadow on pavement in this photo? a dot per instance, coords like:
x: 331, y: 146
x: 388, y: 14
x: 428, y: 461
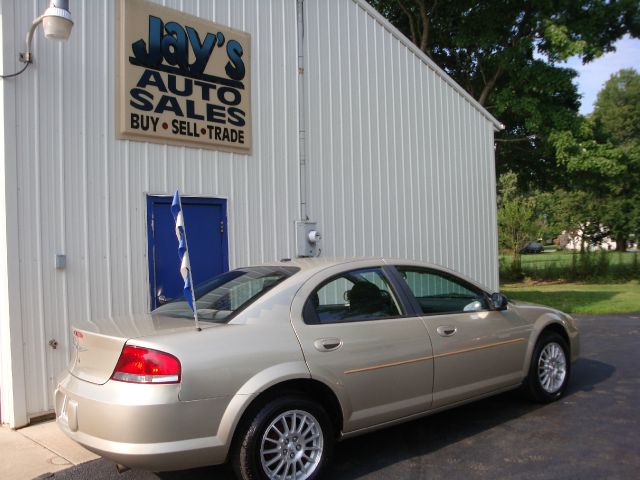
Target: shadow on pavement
x: 586, y: 373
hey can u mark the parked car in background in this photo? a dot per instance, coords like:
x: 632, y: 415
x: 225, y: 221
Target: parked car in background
x: 295, y: 355
x: 532, y: 247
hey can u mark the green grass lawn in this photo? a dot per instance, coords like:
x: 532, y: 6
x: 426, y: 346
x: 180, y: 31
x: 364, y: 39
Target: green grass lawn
x: 579, y: 298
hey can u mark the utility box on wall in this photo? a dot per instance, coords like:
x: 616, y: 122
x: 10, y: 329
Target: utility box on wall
x: 307, y: 239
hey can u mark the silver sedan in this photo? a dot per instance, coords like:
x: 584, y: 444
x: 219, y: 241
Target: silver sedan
x: 295, y: 355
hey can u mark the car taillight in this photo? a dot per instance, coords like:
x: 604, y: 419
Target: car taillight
x: 144, y: 365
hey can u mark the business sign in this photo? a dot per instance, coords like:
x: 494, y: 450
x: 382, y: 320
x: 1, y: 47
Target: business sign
x: 181, y: 79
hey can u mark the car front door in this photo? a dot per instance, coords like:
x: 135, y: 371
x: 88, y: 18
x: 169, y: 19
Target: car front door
x: 357, y: 337
x: 476, y: 350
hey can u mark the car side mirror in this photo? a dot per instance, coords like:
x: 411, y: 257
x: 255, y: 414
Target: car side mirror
x: 498, y: 301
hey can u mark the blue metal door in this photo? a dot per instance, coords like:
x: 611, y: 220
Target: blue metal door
x: 206, y: 225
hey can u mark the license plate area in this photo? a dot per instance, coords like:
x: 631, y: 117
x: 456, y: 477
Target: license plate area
x: 69, y: 413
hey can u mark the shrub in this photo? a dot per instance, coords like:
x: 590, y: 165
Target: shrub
x: 592, y: 267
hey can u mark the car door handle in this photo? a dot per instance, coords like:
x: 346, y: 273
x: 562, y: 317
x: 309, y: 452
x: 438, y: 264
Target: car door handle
x: 327, y: 344
x: 446, y: 331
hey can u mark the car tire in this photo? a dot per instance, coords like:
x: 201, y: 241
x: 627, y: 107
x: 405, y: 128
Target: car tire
x: 549, y: 370
x: 264, y: 449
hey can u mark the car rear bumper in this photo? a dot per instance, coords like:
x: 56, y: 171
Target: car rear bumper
x: 142, y: 426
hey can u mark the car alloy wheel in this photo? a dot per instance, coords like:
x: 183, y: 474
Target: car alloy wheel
x: 552, y: 367
x: 289, y: 437
x: 292, y: 446
x: 549, y: 369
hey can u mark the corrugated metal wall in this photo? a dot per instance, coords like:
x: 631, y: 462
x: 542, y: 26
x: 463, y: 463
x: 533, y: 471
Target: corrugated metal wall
x: 400, y: 163
x: 82, y: 192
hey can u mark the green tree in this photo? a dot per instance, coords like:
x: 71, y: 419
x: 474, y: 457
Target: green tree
x: 543, y: 101
x: 617, y: 108
x: 602, y: 156
x: 517, y: 222
x: 480, y: 42
x: 617, y: 121
x: 575, y: 213
x: 622, y: 217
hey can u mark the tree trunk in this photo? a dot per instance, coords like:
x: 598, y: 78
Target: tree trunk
x: 489, y: 86
x: 621, y: 243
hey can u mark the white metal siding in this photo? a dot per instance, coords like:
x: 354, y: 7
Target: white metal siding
x: 82, y: 192
x: 401, y: 163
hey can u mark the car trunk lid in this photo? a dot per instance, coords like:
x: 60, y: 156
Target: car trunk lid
x: 94, y: 356
x: 96, y: 347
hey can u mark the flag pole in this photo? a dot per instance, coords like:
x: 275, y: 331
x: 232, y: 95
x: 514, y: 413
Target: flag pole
x: 183, y: 251
x: 186, y: 245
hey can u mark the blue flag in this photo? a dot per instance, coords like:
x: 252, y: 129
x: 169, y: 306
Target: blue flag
x: 185, y: 266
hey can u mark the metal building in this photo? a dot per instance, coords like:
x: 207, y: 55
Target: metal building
x: 353, y: 129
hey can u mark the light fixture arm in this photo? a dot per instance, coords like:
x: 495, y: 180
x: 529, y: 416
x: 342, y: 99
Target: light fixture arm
x: 27, y: 56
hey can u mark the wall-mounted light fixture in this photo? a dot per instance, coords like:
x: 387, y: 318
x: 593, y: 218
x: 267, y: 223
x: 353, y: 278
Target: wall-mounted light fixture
x: 56, y: 22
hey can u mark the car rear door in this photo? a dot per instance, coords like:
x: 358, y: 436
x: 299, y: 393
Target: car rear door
x: 475, y: 350
x: 357, y: 337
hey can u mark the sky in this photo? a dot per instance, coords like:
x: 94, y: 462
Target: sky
x: 593, y: 75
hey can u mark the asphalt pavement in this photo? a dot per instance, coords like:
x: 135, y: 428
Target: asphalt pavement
x: 592, y: 433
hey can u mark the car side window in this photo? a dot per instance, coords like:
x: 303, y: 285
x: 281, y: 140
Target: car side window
x: 354, y: 296
x: 440, y: 293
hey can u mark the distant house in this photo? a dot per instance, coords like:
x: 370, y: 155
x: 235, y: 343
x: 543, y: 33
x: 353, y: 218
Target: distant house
x: 574, y: 241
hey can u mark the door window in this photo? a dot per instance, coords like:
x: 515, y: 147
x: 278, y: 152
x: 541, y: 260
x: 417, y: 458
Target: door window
x: 357, y: 295
x: 440, y: 293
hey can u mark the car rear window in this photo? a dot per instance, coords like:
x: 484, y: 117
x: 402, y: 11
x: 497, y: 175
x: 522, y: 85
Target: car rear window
x: 223, y: 296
